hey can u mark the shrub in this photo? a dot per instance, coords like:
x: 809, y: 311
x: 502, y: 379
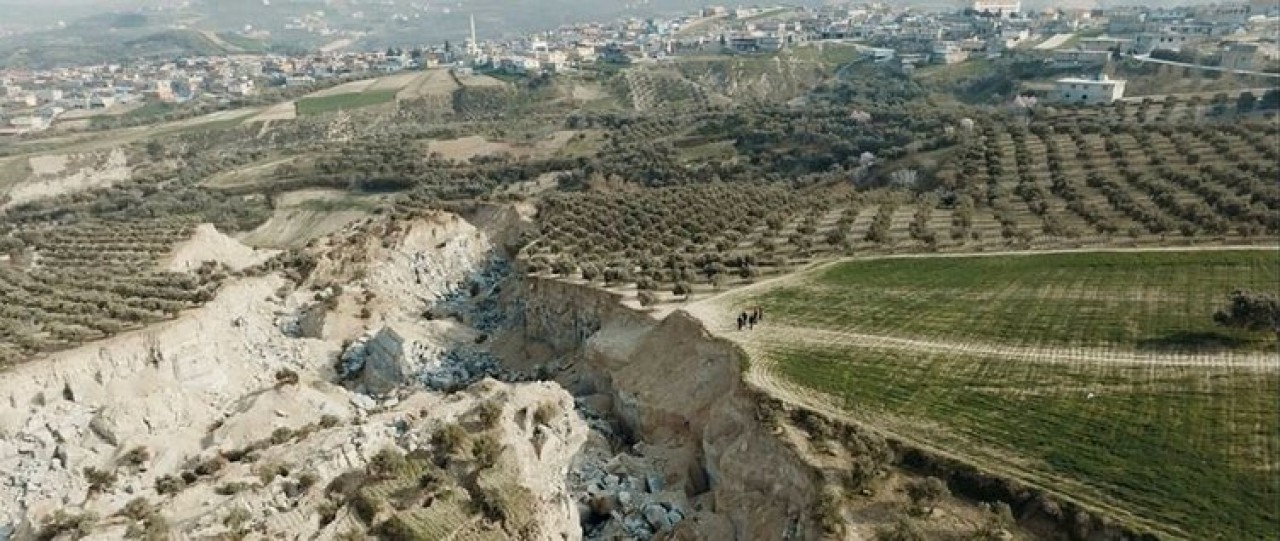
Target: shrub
x: 329, y: 421
x: 1254, y: 312
x: 450, y: 438
x: 211, y: 466
x: 269, y: 471
x: 237, y: 519
x: 347, y: 484
x: 137, y: 456
x: 99, y: 480
x: 387, y: 462
x: 168, y: 484
x: 490, y: 412
x: 999, y: 518
x: 62, y: 522
x: 486, y: 449
x: 828, y: 512
x: 546, y: 412
x: 286, y: 376
x: 232, y: 488
x: 903, y: 530
x: 138, y: 509
x: 153, y: 528
x: 307, y: 480
x: 926, y: 493
x: 281, y: 435
x: 681, y: 289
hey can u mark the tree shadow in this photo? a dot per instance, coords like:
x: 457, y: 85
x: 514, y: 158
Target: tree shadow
x: 1204, y: 341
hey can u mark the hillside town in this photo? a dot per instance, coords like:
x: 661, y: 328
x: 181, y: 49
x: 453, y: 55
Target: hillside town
x: 1229, y: 37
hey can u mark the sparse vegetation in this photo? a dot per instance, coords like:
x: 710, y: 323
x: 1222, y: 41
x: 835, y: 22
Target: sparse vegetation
x: 99, y: 479
x: 545, y: 413
x: 168, y: 485
x: 925, y: 494
x: 64, y: 522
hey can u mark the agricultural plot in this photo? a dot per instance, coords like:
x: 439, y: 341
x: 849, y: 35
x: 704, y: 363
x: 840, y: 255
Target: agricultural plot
x: 1144, y: 301
x: 1100, y: 376
x: 339, y: 102
x: 62, y: 286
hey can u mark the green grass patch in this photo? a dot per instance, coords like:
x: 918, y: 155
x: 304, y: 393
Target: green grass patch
x: 355, y: 100
x: 1195, y: 449
x: 1160, y: 301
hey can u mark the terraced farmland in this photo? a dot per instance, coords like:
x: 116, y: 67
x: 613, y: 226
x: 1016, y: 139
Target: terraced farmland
x: 1099, y: 376
x: 62, y: 286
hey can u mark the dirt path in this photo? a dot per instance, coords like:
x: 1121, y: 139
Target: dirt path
x: 717, y: 313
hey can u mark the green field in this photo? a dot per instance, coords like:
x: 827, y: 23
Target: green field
x: 1145, y: 301
x: 1190, y: 449
x: 356, y: 100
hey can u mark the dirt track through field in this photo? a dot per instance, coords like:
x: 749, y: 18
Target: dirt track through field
x: 717, y: 314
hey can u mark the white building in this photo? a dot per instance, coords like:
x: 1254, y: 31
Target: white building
x: 1088, y: 91
x: 1004, y: 8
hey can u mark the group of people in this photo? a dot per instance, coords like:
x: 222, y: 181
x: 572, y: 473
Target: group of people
x: 749, y: 320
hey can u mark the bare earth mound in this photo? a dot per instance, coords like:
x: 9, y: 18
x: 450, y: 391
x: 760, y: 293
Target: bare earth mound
x: 207, y: 244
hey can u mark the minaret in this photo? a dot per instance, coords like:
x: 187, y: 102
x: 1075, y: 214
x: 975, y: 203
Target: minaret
x: 473, y: 48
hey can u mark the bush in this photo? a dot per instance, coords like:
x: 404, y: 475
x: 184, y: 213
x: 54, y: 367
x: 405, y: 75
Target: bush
x: 347, y: 484
x: 153, y: 528
x: 62, y: 522
x: 1254, y: 312
x: 99, y: 480
x: 137, y: 456
x: 237, y: 519
x: 904, y: 530
x: 211, y: 466
x: 281, y: 435
x: 926, y: 493
x: 286, y: 376
x: 308, y: 480
x: 387, y: 462
x: 269, y: 471
x: 232, y: 488
x: 546, y: 412
x: 168, y: 484
x: 681, y: 289
x: 490, y: 412
x: 828, y: 512
x: 450, y: 439
x: 138, y: 509
x: 329, y: 421
x: 486, y: 449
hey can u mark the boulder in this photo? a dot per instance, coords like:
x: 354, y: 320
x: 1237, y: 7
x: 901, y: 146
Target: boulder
x: 377, y: 365
x: 311, y: 321
x: 657, y: 517
x: 104, y: 426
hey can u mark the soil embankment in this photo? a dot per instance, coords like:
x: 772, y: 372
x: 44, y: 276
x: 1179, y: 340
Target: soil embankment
x: 676, y: 399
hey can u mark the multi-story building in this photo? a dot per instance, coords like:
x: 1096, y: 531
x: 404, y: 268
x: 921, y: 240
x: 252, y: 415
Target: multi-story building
x: 1080, y: 57
x: 1003, y: 8
x: 1088, y: 91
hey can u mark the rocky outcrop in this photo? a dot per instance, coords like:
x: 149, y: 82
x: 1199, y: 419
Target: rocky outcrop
x: 375, y: 363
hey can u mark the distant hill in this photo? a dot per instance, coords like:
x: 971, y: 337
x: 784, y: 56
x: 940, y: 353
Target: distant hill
x: 96, y: 43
